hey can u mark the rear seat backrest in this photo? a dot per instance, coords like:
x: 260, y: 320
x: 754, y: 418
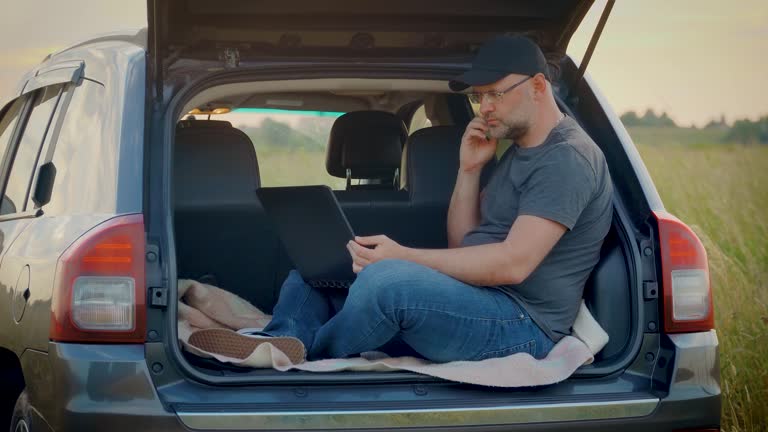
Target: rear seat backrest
x: 432, y: 164
x: 221, y: 229
x: 215, y: 165
x: 369, y: 144
x: 366, y: 145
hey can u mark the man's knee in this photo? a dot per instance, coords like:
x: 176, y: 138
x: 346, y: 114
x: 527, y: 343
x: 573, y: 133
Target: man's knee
x: 388, y: 283
x: 390, y: 272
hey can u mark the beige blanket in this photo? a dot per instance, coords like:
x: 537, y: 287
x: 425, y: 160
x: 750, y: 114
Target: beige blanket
x: 203, y: 307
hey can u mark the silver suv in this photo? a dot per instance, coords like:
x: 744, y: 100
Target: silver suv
x: 111, y: 194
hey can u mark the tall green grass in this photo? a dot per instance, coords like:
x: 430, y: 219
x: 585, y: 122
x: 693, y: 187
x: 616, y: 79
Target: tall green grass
x: 295, y: 168
x: 678, y: 136
x: 721, y: 191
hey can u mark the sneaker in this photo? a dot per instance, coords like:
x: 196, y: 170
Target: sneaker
x: 236, y: 345
x: 253, y: 331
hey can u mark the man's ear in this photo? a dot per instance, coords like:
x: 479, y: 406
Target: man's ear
x: 539, y: 84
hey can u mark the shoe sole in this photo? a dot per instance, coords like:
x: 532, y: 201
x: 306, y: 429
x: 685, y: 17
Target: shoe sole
x: 231, y: 344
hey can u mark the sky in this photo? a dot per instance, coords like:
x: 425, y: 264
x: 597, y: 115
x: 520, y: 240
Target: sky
x: 694, y: 59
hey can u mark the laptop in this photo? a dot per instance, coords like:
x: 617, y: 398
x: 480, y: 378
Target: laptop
x: 314, y: 231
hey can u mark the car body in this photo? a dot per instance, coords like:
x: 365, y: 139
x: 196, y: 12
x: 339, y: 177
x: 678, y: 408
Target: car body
x: 87, y: 165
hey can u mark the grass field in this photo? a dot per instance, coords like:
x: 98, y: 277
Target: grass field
x: 721, y: 191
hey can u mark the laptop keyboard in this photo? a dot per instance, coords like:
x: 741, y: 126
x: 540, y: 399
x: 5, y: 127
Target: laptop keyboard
x: 329, y: 283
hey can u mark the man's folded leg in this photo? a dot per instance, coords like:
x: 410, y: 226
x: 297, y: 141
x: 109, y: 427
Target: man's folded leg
x: 441, y: 318
x: 300, y: 311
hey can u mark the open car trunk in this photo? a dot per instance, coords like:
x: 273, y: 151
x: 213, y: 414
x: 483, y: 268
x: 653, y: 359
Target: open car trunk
x: 234, y: 34
x: 224, y: 237
x: 343, y: 56
x: 179, y: 28
x: 216, y: 233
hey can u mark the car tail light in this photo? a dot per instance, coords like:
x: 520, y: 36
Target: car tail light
x: 99, y: 294
x: 687, y: 295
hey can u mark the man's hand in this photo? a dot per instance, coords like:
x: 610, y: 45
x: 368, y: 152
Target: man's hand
x: 476, y: 149
x: 510, y: 262
x: 379, y: 247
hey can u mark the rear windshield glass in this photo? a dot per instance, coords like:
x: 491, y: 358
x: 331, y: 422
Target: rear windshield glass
x: 290, y: 145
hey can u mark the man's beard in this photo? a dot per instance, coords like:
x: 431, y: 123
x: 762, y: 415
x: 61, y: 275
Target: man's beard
x: 517, y: 124
x: 513, y: 131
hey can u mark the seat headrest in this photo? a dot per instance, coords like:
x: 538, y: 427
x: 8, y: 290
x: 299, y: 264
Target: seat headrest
x: 214, y: 165
x: 209, y: 124
x: 368, y: 143
x: 432, y: 163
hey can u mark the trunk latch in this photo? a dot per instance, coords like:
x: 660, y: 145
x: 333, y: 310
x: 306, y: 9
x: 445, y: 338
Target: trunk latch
x: 158, y: 294
x: 158, y: 297
x: 230, y: 57
x: 650, y: 284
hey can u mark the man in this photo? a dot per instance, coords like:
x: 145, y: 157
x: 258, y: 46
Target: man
x: 519, y: 254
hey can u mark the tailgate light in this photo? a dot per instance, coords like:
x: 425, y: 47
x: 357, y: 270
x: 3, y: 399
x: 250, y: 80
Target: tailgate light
x: 687, y: 295
x: 99, y: 294
x: 690, y: 295
x: 100, y: 303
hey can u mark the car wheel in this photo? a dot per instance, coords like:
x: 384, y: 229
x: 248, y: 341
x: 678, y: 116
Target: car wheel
x: 8, y: 396
x: 22, y: 420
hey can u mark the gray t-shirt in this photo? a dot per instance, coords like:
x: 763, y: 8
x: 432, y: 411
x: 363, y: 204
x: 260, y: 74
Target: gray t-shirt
x: 565, y: 179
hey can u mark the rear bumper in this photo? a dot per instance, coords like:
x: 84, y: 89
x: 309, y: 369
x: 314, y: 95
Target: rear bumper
x: 664, y: 416
x: 109, y: 387
x: 103, y: 388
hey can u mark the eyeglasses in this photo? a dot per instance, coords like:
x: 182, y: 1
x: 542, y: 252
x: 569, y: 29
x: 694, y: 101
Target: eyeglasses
x: 493, y: 96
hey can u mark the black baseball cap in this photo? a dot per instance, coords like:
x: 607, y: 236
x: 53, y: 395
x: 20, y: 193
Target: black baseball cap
x: 499, y: 57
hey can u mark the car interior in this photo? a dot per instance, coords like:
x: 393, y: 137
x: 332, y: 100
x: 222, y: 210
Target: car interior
x: 394, y: 181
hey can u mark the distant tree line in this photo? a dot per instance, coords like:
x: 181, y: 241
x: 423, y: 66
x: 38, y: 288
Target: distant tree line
x: 749, y: 132
x: 742, y: 131
x: 631, y: 119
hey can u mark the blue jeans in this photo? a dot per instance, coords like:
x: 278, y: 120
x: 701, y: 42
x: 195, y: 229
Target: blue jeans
x: 403, y: 308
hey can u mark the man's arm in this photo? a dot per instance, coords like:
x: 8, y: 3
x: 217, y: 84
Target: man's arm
x: 464, y: 210
x: 475, y: 151
x: 551, y: 203
x: 529, y: 241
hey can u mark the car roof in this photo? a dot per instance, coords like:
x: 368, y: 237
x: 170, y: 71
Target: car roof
x: 134, y: 36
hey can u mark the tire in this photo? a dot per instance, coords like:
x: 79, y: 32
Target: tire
x: 22, y: 418
x: 12, y: 385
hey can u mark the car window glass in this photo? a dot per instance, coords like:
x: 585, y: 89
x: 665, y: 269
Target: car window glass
x: 85, y: 177
x: 419, y: 120
x: 8, y: 123
x: 49, y: 143
x: 24, y: 162
x: 290, y: 145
